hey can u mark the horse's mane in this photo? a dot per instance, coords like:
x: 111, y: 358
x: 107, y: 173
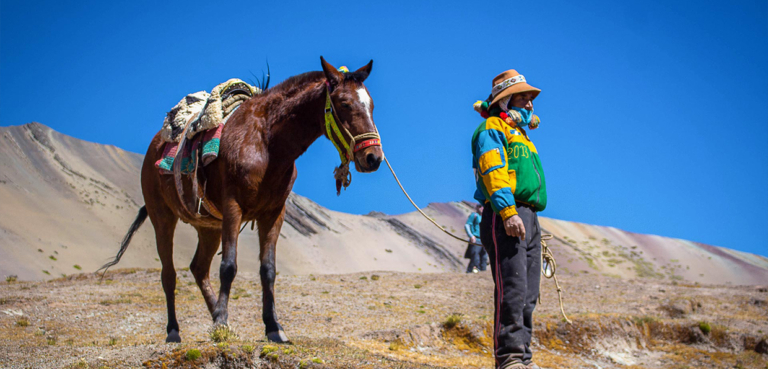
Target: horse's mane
x: 309, y: 77
x: 296, y: 81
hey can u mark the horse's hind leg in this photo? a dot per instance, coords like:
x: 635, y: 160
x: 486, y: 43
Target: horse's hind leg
x: 207, y: 245
x: 164, y: 222
x: 269, y: 231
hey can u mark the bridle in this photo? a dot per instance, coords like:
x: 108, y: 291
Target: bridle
x: 345, y: 149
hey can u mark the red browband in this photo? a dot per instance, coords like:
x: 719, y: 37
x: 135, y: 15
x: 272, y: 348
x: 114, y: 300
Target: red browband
x: 366, y: 143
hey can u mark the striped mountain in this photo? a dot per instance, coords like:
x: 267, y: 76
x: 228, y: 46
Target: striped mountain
x: 67, y: 203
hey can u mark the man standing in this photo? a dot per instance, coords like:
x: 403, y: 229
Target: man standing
x: 510, y: 182
x: 478, y: 259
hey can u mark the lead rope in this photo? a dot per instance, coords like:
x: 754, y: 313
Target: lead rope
x: 548, y: 259
x: 419, y: 209
x: 548, y: 268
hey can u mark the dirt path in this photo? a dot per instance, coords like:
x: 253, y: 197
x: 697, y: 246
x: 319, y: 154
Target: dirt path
x: 393, y: 320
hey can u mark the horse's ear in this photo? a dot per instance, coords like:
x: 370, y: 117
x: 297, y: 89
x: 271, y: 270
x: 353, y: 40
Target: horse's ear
x: 334, y: 76
x: 364, y: 71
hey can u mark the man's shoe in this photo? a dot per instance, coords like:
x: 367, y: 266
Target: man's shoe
x: 475, y: 270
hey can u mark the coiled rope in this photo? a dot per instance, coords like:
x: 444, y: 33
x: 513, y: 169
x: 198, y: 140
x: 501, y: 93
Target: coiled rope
x: 548, y: 268
x: 548, y: 264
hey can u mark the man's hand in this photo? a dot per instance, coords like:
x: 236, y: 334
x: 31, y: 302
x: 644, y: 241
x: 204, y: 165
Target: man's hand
x: 514, y: 227
x: 473, y: 239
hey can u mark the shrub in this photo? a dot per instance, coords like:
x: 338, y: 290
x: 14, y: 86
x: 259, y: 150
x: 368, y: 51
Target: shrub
x: 705, y: 327
x: 77, y: 267
x: 11, y: 278
x: 266, y: 350
x: 22, y: 322
x: 247, y: 348
x: 52, y: 258
x: 193, y: 355
x: 375, y: 277
x: 222, y: 333
x: 452, y: 320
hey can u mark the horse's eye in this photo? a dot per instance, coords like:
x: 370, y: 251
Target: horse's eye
x: 346, y: 105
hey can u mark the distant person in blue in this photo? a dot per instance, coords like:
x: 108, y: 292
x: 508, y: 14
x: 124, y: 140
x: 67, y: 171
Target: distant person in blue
x: 478, y: 258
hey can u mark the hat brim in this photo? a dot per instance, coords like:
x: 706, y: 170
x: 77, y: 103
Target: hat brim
x: 516, y: 89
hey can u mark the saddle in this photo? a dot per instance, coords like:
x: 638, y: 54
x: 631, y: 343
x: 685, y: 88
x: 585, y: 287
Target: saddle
x: 194, y: 121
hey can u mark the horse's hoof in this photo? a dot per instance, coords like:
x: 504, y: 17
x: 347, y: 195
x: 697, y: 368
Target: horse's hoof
x: 278, y: 337
x: 173, y: 336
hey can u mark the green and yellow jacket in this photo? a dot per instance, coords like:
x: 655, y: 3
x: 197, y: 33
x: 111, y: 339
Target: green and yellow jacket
x: 507, y: 168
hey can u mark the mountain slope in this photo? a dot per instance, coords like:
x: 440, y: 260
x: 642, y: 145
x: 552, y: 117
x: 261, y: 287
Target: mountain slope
x: 69, y: 202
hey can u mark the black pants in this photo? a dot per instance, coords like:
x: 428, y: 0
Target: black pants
x: 516, y: 268
x: 477, y: 258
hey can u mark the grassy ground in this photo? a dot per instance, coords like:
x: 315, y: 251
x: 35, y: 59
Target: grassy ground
x: 377, y: 320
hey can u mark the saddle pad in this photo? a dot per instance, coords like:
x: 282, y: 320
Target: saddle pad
x: 207, y: 141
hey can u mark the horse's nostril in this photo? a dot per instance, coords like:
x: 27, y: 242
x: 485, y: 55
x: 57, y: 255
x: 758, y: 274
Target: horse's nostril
x: 373, y: 161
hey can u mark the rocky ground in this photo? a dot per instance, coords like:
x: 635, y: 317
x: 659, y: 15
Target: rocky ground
x: 378, y: 320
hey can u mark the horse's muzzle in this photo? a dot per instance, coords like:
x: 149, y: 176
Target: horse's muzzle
x: 369, y: 160
x: 373, y: 161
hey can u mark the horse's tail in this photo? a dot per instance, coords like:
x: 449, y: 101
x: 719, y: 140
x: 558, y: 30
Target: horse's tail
x: 127, y: 239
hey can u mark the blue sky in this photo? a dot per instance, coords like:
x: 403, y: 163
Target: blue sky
x: 654, y: 113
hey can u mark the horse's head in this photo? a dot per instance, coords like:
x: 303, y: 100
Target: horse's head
x: 353, y: 109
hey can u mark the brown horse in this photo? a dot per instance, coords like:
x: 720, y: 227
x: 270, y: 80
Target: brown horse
x: 251, y: 180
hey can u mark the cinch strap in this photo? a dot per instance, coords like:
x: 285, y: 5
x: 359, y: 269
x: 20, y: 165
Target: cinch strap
x: 506, y: 83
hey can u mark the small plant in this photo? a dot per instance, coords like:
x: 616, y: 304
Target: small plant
x: 46, y: 272
x: 266, y: 350
x: 375, y: 277
x: 705, y: 327
x: 11, y: 278
x: 420, y: 311
x: 289, y: 351
x: 223, y: 333
x: 22, y: 322
x: 222, y: 345
x: 51, y: 340
x: 303, y: 364
x: 317, y: 360
x: 364, y: 278
x: 247, y: 348
x: 416, y: 286
x: 52, y: 257
x: 388, y: 250
x: 193, y: 355
x: 452, y: 321
x: 40, y: 332
x: 394, y: 346
x: 112, y: 340
x: 77, y: 267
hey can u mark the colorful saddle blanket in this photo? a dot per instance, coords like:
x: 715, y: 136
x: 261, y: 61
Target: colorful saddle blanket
x: 207, y: 142
x: 206, y: 114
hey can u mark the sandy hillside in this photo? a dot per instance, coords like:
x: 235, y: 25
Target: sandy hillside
x: 71, y: 202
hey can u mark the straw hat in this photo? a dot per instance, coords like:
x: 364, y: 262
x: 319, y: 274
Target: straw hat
x: 509, y: 83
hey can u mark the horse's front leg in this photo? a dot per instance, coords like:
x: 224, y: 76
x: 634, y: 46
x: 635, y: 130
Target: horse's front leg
x: 269, y: 231
x: 228, y: 270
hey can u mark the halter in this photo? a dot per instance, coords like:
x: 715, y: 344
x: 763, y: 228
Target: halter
x: 346, y: 150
